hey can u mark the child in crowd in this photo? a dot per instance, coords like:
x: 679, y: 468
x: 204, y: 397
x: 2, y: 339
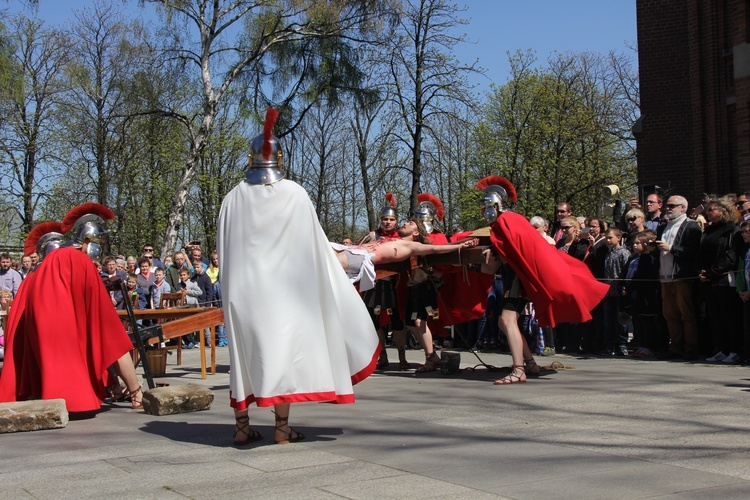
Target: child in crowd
x: 642, y: 295
x: 189, y: 288
x: 135, y: 291
x: 615, y: 336
x: 160, y: 286
x: 192, y: 293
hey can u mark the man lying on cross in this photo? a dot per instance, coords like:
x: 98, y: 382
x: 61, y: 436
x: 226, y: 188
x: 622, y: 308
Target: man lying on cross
x: 359, y: 261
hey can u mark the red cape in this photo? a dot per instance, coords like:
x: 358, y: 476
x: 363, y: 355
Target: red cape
x: 562, y: 288
x: 63, y: 333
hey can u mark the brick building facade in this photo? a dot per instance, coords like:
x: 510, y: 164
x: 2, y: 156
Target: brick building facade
x: 694, y: 70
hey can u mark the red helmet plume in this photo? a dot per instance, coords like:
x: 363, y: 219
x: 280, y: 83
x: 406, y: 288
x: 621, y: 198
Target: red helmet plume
x: 271, y: 116
x: 390, y: 198
x: 76, y: 213
x: 40, y: 230
x: 496, y: 180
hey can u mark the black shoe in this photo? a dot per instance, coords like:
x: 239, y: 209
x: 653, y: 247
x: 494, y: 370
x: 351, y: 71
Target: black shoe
x: 606, y: 353
x: 622, y: 351
x: 690, y: 356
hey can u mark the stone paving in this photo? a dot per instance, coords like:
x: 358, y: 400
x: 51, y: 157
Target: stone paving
x: 603, y: 428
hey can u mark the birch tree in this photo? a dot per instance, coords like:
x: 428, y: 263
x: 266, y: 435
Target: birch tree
x: 283, y: 50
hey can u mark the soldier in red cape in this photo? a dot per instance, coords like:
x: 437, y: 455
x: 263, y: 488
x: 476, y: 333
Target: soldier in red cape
x: 387, y: 300
x: 561, y: 287
x: 63, y: 333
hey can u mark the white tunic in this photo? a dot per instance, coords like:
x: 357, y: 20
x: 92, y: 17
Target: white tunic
x: 297, y: 329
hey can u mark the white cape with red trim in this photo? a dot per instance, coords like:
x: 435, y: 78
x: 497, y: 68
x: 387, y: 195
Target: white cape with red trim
x: 297, y: 329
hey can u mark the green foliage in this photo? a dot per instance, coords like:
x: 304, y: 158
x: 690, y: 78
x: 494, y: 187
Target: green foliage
x: 552, y: 132
x: 149, y: 125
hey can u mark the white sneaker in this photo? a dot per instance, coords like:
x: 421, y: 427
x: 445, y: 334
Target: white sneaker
x: 719, y: 356
x: 731, y: 359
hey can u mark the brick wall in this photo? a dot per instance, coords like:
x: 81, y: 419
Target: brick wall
x: 695, y: 131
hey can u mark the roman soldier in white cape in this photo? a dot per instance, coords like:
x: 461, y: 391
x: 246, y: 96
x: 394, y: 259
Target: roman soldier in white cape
x: 297, y: 329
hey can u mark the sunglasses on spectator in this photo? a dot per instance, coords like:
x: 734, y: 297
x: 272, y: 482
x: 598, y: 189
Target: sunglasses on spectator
x: 565, y: 228
x: 740, y: 203
x: 632, y: 219
x: 672, y: 205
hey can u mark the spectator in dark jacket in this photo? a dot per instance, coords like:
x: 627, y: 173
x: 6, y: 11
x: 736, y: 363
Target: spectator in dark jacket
x: 717, y: 258
x: 204, y: 282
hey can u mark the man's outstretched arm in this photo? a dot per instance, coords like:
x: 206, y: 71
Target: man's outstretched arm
x: 422, y: 249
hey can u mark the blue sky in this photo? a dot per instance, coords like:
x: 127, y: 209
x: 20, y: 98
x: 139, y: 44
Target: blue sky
x: 495, y: 27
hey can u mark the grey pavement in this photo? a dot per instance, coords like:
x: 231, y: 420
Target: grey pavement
x: 602, y: 428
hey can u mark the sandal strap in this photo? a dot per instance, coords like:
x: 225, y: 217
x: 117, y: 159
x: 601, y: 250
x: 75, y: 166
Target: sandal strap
x: 279, y: 418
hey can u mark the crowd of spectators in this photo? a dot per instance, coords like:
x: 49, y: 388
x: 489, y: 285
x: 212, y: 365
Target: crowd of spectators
x: 679, y: 281
x: 146, y: 279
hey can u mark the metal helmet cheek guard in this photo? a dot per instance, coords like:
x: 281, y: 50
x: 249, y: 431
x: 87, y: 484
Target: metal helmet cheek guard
x: 496, y: 189
x: 426, y: 215
x: 265, y: 164
x: 430, y: 208
x: 492, y: 205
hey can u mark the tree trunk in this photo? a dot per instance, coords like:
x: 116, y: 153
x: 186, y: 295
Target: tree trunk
x: 177, y: 207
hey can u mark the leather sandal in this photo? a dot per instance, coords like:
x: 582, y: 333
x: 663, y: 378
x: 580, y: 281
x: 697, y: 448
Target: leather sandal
x: 292, y: 436
x: 532, y: 369
x: 430, y: 364
x: 136, y: 402
x: 243, y: 426
x: 118, y: 393
x: 513, y: 377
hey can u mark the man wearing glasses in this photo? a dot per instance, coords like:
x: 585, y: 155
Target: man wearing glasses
x: 743, y: 206
x: 563, y: 210
x: 148, y: 252
x: 653, y: 217
x: 679, y: 241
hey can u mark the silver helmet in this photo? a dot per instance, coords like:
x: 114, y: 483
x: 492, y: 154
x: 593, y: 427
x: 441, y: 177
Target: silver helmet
x: 430, y: 208
x: 265, y: 164
x: 389, y: 209
x: 49, y: 242
x: 496, y: 190
x: 86, y: 224
x: 44, y: 238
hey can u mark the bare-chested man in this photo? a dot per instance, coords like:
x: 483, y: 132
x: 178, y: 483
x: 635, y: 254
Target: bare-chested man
x: 387, y: 251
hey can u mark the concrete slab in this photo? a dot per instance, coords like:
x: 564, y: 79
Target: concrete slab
x: 616, y: 428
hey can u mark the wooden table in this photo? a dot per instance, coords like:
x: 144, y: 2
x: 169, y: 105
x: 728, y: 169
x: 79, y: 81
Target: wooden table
x: 175, y: 313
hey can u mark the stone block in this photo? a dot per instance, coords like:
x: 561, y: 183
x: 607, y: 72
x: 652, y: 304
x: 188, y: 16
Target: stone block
x: 450, y: 362
x: 23, y: 416
x: 173, y: 399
